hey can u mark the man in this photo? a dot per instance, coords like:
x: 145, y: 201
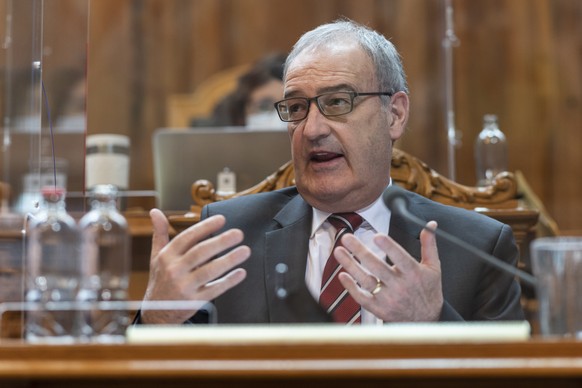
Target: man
x: 346, y: 103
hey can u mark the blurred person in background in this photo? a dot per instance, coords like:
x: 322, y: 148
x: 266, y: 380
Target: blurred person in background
x: 251, y: 103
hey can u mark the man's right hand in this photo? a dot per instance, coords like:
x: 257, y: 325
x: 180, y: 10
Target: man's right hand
x: 184, y: 269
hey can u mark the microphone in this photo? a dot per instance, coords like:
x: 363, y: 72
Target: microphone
x: 395, y: 198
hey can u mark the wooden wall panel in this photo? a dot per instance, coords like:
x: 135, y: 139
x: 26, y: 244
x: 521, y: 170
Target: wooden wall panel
x: 508, y: 64
x: 520, y: 59
x: 565, y: 130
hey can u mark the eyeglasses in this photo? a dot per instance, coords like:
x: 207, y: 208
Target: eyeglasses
x: 329, y: 104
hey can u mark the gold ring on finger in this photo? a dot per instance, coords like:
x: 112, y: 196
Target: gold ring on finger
x: 378, y: 287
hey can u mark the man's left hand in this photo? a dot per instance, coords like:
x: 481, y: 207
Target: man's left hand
x: 404, y: 291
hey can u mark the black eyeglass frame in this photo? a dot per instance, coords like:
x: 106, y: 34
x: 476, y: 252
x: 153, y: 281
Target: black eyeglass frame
x: 352, y: 95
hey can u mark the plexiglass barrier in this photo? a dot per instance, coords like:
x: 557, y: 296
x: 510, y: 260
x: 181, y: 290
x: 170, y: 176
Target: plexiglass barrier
x: 42, y: 99
x: 83, y: 322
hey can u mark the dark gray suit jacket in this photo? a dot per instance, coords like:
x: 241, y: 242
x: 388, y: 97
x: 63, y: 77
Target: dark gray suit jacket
x: 277, y: 227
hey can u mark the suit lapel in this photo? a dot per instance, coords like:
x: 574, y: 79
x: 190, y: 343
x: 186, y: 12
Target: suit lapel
x: 405, y: 232
x: 287, y: 246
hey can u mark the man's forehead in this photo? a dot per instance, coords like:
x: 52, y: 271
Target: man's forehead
x: 332, y: 63
x: 325, y: 51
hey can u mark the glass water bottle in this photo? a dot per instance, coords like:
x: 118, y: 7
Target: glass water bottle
x: 106, y: 265
x: 490, y: 151
x: 52, y: 271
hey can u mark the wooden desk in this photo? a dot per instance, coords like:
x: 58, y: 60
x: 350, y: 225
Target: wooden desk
x: 531, y: 364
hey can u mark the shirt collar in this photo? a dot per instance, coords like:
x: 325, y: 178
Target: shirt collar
x: 377, y: 215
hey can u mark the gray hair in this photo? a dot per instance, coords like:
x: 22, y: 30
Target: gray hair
x: 389, y: 71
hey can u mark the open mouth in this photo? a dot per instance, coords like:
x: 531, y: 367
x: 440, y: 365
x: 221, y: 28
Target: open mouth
x: 322, y: 157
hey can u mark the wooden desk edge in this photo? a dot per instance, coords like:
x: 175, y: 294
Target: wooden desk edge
x: 513, y: 359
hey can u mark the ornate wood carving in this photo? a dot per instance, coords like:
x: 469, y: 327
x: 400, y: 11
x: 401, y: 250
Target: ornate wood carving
x: 415, y: 175
x: 407, y: 171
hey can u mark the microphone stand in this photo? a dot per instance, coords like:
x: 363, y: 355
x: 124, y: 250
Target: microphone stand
x: 450, y: 40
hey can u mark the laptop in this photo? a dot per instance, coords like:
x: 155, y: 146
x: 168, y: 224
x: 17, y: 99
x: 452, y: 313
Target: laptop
x: 232, y: 158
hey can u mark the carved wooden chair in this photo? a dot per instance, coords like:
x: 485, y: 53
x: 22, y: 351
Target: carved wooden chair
x: 500, y: 200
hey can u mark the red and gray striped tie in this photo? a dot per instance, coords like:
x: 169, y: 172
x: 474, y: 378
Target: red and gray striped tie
x: 334, y: 298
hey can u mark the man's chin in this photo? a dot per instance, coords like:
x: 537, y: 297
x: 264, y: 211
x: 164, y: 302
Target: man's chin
x: 324, y: 197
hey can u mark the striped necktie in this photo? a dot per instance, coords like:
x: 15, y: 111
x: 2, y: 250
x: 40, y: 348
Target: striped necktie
x: 334, y: 298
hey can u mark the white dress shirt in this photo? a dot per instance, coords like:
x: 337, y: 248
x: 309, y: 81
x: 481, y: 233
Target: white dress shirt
x: 376, y: 220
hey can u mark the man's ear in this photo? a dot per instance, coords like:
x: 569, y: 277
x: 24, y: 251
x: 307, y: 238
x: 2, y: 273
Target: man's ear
x: 399, y: 111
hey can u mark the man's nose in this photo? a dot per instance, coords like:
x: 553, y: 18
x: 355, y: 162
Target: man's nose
x: 315, y: 124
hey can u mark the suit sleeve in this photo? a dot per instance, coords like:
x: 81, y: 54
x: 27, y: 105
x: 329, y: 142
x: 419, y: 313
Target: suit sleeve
x: 500, y: 293
x: 496, y: 295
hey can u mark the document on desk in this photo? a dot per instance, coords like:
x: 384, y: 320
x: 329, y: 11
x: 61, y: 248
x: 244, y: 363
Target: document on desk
x: 441, y: 332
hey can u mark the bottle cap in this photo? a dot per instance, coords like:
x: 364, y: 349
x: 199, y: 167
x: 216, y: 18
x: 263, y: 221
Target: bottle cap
x: 53, y: 193
x: 104, y: 192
